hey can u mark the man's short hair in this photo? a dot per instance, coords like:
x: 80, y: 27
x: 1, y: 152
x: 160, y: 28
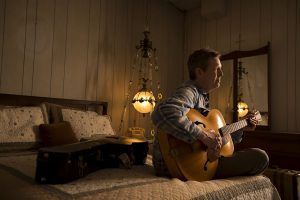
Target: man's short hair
x: 199, y: 59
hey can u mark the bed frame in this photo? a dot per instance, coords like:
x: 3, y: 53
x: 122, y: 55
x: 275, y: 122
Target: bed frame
x: 108, y: 184
x: 21, y: 100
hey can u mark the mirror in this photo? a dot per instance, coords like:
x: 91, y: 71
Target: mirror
x: 245, y: 83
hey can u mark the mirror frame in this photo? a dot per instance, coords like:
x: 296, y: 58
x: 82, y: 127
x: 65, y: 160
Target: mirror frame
x: 235, y: 55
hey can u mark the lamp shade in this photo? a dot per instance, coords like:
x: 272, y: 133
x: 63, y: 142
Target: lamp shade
x: 242, y: 108
x: 144, y: 101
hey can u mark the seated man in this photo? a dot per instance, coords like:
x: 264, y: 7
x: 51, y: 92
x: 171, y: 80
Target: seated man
x: 205, y: 71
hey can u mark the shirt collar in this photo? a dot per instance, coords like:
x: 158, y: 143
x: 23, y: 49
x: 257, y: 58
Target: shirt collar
x: 200, y: 90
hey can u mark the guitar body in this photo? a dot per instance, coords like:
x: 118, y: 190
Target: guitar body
x: 189, y: 161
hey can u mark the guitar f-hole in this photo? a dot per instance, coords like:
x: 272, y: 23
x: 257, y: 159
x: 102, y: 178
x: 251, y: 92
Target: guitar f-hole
x: 197, y: 123
x: 205, y: 167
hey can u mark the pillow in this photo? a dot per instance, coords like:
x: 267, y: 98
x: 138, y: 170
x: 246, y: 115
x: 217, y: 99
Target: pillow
x: 57, y: 134
x: 87, y: 123
x: 55, y: 115
x: 19, y: 125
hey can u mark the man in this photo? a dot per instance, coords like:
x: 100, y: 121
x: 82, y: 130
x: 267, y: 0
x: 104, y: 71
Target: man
x: 205, y: 71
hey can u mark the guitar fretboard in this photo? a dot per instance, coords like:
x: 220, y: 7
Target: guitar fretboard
x: 233, y: 127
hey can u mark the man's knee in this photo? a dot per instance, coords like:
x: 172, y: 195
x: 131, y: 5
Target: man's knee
x: 262, y: 161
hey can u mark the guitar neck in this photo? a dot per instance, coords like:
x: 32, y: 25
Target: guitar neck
x: 233, y: 127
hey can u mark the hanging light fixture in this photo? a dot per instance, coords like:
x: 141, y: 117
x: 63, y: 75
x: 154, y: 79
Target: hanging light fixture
x: 148, y: 86
x: 146, y: 59
x: 144, y: 100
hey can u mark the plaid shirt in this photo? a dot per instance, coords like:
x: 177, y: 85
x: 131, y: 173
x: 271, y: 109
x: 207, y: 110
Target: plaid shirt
x: 170, y: 116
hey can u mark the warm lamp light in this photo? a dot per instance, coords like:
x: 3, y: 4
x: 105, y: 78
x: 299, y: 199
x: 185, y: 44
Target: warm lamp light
x: 144, y: 101
x: 242, y: 109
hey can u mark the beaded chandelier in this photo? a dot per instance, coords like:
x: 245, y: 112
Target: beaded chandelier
x: 147, y: 85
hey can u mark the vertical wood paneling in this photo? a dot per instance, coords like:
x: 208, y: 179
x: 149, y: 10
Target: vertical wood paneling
x: 80, y: 51
x: 29, y: 47
x: 120, y: 65
x: 297, y: 64
x: 204, y: 32
x: 163, y: 41
x: 291, y: 65
x: 265, y: 22
x: 13, y: 47
x: 250, y: 21
x: 127, y: 63
x: 159, y: 40
x: 83, y: 49
x: 211, y: 34
x: 195, y: 31
x: 101, y: 49
x: 43, y: 48
x: 176, y: 56
x: 224, y: 34
x: 235, y: 12
x: 77, y: 46
x: 187, y: 40
x: 107, y: 52
x: 59, y: 48
x: 279, y: 68
x: 92, y: 53
x: 110, y: 52
x: 2, y: 29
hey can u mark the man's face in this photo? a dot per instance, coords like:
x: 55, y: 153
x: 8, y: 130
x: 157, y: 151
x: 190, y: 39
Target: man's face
x: 211, y: 78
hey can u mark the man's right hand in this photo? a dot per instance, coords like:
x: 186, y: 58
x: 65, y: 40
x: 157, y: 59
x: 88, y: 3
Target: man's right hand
x: 213, y: 141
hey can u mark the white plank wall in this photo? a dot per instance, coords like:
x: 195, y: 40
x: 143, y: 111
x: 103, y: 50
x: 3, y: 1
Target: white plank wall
x: 83, y: 49
x: 43, y: 48
x: 13, y: 46
x: 259, y: 21
x: 297, y: 63
x: 59, y: 48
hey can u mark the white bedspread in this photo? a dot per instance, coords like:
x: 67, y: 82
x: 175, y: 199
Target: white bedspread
x: 17, y: 173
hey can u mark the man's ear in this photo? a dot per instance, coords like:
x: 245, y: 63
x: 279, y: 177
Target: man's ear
x: 199, y: 72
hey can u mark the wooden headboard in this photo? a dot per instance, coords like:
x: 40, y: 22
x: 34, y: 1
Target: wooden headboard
x: 21, y: 100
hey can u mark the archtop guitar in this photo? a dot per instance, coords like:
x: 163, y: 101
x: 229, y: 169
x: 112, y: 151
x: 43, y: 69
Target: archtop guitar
x: 189, y: 161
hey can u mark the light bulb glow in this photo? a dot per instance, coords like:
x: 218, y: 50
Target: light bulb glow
x: 144, y: 101
x: 242, y: 109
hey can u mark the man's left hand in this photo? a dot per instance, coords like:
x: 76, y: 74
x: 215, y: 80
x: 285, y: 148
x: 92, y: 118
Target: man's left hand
x: 252, y: 122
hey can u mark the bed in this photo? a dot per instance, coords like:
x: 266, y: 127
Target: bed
x: 17, y: 173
